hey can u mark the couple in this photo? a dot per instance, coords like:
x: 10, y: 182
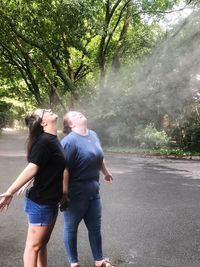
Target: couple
x: 64, y: 174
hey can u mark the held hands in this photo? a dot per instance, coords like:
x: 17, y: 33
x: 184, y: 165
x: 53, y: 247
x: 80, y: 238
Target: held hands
x: 5, y: 200
x: 64, y: 202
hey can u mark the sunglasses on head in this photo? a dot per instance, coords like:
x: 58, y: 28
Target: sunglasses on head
x: 43, y: 111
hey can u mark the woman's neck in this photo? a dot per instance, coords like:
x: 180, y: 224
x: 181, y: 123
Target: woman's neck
x: 51, y: 130
x: 81, y: 130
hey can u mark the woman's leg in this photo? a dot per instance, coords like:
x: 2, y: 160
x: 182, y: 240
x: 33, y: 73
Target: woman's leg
x: 42, y: 255
x: 93, y: 223
x: 35, y: 253
x: 72, y: 217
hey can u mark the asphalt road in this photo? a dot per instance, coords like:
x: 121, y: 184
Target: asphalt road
x: 151, y: 213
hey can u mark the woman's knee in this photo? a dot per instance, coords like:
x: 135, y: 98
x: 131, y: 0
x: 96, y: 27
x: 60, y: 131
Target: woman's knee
x: 38, y: 237
x: 94, y: 227
x: 36, y: 247
x: 93, y: 224
x: 71, y: 226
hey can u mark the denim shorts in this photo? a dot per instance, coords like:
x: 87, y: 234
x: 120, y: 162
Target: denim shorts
x: 40, y: 214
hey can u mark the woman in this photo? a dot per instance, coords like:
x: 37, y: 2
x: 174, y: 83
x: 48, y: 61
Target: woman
x: 46, y: 164
x: 84, y: 158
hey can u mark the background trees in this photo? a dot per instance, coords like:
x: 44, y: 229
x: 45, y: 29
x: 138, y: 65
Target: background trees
x: 64, y: 53
x: 162, y: 92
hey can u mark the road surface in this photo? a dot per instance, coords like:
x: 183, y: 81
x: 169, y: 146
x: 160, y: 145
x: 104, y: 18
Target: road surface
x: 151, y: 212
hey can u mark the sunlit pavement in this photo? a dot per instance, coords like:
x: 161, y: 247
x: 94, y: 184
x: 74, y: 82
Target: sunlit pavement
x: 151, y: 212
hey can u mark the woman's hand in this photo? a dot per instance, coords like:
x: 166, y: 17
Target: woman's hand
x: 107, y: 175
x: 108, y: 178
x: 64, y: 202
x: 5, y: 200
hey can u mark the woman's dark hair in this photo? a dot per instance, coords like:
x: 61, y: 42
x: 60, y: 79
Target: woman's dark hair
x: 33, y: 122
x: 66, y: 128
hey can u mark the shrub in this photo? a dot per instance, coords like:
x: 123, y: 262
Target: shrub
x: 150, y: 137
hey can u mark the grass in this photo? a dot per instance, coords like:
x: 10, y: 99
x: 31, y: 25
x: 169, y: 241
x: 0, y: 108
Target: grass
x: 153, y: 152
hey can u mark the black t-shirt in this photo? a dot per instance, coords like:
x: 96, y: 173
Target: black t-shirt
x: 48, y: 154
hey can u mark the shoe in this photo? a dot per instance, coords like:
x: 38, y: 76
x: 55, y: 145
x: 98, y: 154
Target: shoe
x: 106, y: 263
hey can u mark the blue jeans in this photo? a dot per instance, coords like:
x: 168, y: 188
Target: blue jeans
x: 88, y: 208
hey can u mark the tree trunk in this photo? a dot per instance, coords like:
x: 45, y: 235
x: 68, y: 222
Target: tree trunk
x: 116, y: 63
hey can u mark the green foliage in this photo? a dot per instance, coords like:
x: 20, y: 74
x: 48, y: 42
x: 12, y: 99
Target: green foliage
x: 194, y: 133
x: 150, y: 137
x: 187, y: 134
x: 36, y: 42
x: 166, y: 82
x: 52, y: 53
x: 38, y: 37
x: 4, y: 114
x: 158, y: 5
x: 140, y: 41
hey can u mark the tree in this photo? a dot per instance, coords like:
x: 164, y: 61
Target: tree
x: 36, y: 41
x: 39, y: 40
x: 165, y: 82
x: 54, y: 50
x: 4, y: 110
x: 120, y: 17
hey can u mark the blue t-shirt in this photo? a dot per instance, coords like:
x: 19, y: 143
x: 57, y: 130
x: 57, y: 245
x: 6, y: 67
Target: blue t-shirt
x: 84, y: 156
